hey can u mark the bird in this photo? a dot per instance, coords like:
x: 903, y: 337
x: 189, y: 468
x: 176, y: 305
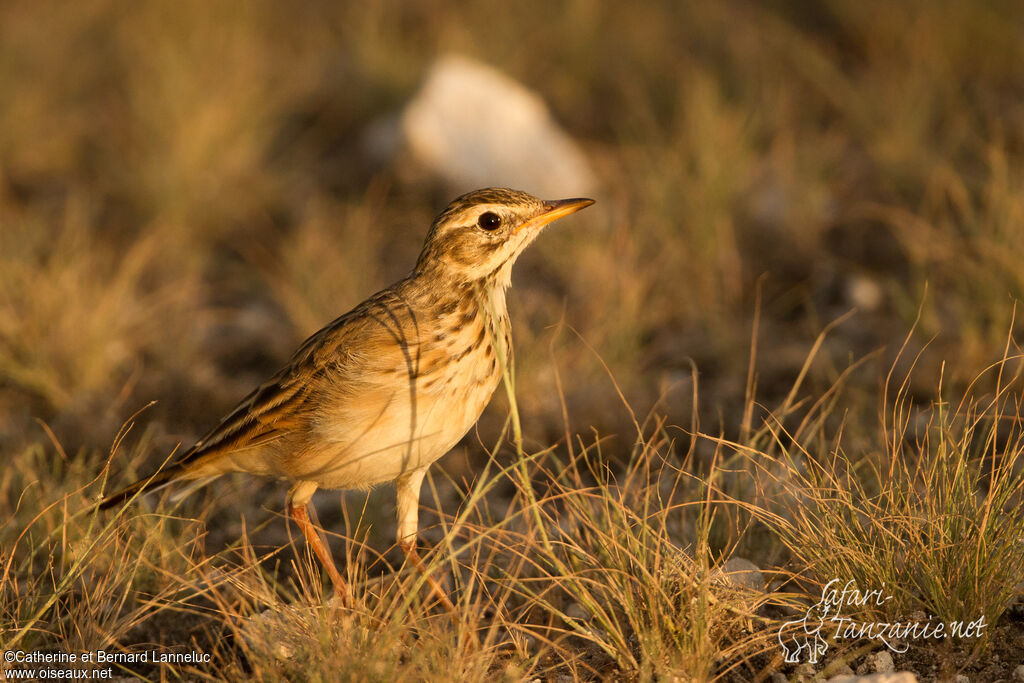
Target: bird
x: 383, y: 391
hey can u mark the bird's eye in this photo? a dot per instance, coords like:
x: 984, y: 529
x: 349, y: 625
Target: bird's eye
x: 489, y: 220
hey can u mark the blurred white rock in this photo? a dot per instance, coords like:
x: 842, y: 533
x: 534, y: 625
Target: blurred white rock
x: 473, y: 126
x: 864, y: 292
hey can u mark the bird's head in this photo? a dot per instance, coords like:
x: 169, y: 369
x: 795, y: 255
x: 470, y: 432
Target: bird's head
x: 480, y: 235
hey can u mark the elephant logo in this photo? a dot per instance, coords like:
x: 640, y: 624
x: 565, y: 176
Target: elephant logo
x: 804, y: 635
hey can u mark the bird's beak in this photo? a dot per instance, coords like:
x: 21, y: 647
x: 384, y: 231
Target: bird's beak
x: 553, y: 210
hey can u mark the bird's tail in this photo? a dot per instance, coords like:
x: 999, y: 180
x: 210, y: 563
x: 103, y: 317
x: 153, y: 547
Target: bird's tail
x: 194, y: 469
x: 151, y: 483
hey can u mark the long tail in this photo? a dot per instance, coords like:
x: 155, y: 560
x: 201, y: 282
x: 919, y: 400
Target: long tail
x: 158, y: 480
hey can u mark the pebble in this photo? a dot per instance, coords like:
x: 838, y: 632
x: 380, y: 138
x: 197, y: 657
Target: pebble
x: 877, y: 662
x: 891, y: 677
x: 805, y: 671
x: 865, y: 293
x: 741, y: 572
x: 578, y: 612
x: 842, y: 670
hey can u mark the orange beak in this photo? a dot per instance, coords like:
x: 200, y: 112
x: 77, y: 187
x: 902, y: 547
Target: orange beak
x: 553, y: 210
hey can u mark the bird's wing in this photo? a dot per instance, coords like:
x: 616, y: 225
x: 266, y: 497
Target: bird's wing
x: 272, y: 410
x: 330, y: 366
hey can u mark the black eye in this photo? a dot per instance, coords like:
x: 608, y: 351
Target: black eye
x: 489, y: 220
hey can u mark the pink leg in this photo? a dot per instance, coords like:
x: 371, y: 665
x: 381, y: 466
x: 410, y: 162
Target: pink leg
x: 409, y: 548
x: 408, y: 489
x: 300, y: 514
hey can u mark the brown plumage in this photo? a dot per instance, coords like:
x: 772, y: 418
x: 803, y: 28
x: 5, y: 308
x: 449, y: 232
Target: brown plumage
x: 388, y: 388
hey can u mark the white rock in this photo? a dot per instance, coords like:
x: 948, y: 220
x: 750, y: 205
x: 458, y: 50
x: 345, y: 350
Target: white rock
x: 864, y: 292
x: 475, y: 127
x: 1018, y: 674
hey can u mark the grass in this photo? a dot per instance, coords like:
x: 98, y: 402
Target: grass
x: 578, y: 575
x: 933, y: 515
x: 579, y: 569
x: 186, y: 195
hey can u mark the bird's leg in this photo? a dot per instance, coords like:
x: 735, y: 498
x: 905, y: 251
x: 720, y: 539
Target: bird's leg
x: 408, y: 488
x: 299, y: 510
x: 411, y: 554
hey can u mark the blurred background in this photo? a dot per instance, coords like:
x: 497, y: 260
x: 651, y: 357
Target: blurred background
x: 189, y: 189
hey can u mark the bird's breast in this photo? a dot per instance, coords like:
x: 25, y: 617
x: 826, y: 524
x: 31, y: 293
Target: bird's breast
x: 415, y: 412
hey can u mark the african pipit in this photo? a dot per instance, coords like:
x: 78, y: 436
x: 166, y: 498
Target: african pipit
x: 389, y: 387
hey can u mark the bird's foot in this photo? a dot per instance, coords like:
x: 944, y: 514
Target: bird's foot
x: 411, y: 554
